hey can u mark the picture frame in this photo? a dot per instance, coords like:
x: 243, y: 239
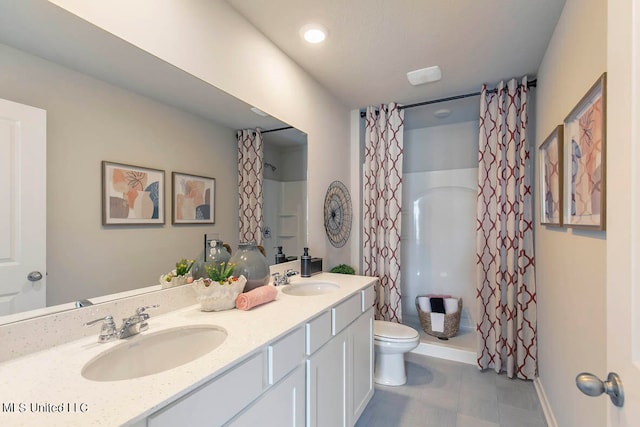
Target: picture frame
x: 585, y: 133
x: 132, y: 195
x: 551, y: 181
x: 193, y: 199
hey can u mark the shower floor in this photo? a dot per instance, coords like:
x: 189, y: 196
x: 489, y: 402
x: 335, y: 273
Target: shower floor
x: 461, y: 348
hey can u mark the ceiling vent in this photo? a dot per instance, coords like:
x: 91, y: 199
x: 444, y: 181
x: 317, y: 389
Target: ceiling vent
x: 424, y: 75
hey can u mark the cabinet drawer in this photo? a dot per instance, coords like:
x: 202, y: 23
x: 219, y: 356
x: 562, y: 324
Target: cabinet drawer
x: 216, y: 402
x: 318, y: 332
x: 345, y: 313
x: 368, y: 298
x: 285, y: 354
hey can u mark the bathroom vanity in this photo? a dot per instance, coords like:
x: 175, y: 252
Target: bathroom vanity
x: 302, y: 360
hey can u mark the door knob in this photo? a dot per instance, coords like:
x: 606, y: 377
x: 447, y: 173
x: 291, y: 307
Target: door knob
x: 591, y: 385
x: 34, y: 276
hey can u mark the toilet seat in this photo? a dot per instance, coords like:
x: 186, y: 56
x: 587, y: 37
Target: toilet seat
x: 393, y: 332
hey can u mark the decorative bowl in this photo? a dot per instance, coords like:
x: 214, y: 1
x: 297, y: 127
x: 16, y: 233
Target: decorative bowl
x: 173, y: 280
x: 214, y: 296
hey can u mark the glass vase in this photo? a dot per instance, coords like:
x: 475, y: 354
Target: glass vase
x: 251, y: 264
x: 218, y: 252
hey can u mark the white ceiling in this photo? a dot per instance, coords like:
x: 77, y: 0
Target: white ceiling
x: 372, y: 44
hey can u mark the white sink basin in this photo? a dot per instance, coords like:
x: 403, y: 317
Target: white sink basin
x: 150, y: 353
x: 310, y: 288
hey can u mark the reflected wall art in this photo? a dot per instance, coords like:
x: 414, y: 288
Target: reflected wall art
x: 132, y: 195
x: 193, y: 199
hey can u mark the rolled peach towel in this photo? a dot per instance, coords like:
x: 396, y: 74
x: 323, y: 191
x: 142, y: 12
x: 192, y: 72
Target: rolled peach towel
x: 257, y: 296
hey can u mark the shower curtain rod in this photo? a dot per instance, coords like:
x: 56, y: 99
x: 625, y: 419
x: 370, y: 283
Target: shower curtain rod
x: 277, y: 129
x: 532, y: 83
x: 274, y: 130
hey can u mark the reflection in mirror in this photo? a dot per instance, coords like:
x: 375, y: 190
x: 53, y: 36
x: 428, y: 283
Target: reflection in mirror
x: 121, y: 105
x: 284, y: 208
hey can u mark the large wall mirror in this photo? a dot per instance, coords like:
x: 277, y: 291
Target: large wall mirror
x: 106, y: 100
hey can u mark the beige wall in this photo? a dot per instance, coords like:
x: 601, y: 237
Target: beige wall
x: 211, y: 41
x: 571, y: 264
x: 89, y: 121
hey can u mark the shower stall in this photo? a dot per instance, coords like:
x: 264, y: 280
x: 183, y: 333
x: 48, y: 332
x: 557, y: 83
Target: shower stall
x: 438, y: 245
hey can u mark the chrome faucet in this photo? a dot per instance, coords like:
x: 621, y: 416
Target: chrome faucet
x: 283, y: 279
x: 132, y: 325
x: 135, y: 324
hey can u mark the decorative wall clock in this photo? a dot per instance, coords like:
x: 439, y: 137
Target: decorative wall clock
x: 337, y: 214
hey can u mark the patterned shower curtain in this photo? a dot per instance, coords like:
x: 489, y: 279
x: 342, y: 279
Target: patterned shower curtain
x: 382, y: 194
x: 506, y: 292
x: 250, y: 174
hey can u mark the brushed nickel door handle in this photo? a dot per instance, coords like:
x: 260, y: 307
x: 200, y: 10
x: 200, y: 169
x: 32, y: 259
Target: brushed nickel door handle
x: 591, y: 385
x: 34, y: 276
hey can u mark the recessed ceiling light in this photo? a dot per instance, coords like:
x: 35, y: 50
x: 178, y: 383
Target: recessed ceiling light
x: 424, y: 75
x: 313, y: 33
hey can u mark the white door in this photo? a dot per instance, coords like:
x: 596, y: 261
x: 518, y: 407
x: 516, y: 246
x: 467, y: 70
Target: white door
x: 22, y: 207
x: 623, y: 208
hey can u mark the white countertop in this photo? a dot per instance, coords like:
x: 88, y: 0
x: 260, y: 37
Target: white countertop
x: 51, y: 379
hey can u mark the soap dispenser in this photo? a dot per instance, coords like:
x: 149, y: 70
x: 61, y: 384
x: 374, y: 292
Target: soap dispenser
x: 279, y: 256
x: 305, y: 264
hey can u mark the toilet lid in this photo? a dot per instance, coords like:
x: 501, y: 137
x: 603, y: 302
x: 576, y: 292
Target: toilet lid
x: 395, y: 331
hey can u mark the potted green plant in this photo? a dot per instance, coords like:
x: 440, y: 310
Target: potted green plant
x: 220, y: 289
x: 179, y: 275
x: 343, y: 269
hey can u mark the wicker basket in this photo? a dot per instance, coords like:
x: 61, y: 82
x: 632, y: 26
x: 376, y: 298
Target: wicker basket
x: 451, y: 321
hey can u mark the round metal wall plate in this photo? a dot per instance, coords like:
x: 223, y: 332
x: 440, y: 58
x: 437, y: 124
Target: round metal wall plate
x: 337, y: 214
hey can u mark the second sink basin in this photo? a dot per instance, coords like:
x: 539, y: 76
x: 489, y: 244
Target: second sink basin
x: 309, y: 288
x: 151, y: 353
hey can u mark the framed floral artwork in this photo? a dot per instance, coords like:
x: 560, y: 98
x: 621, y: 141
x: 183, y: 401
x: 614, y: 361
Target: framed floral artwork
x: 584, y: 160
x: 550, y: 156
x: 132, y: 195
x: 193, y: 199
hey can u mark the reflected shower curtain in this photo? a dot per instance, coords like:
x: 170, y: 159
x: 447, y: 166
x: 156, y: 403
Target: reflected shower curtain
x: 250, y: 175
x: 506, y: 292
x: 382, y: 194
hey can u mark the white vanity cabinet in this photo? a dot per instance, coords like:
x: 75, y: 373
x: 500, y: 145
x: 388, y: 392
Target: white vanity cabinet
x: 268, y: 384
x: 340, y: 372
x: 319, y: 374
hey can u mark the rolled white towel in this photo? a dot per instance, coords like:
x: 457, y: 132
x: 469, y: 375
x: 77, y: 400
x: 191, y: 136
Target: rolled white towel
x: 450, y: 305
x: 437, y: 322
x: 424, y: 304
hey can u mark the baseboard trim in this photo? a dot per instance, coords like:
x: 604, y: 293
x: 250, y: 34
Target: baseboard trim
x: 443, y: 352
x: 544, y: 403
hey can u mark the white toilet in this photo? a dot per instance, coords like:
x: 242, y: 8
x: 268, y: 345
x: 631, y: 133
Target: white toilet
x: 391, y: 341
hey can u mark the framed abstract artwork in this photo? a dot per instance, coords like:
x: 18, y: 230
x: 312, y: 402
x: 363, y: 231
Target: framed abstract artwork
x: 550, y: 155
x: 132, y: 195
x: 584, y: 160
x: 193, y: 199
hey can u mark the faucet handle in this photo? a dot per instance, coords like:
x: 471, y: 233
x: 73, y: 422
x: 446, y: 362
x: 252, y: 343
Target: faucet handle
x: 141, y: 310
x: 108, y: 331
x: 107, y: 320
x: 144, y: 316
x: 290, y: 272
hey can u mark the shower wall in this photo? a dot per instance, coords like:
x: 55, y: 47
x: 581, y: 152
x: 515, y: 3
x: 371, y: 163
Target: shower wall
x: 284, y: 214
x: 438, y: 216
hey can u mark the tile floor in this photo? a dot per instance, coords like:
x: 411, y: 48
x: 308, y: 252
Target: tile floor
x: 442, y: 393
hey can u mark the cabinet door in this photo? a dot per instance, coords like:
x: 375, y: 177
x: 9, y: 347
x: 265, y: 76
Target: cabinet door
x: 326, y: 384
x: 217, y: 401
x: 281, y: 406
x: 361, y: 364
